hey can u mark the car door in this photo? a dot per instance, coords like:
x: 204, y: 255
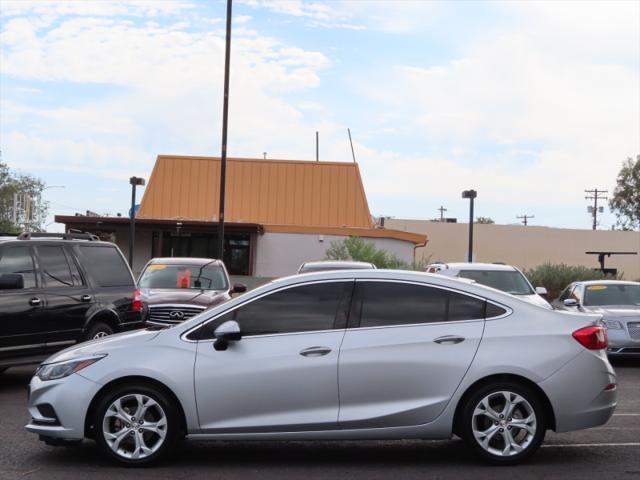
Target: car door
x: 67, y: 296
x: 21, y: 309
x: 406, y: 350
x: 283, y: 374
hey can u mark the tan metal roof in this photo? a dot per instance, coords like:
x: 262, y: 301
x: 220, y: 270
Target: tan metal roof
x: 268, y: 192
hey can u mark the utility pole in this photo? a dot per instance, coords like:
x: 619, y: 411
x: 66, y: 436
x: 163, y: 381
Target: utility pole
x: 595, y: 195
x: 317, y: 147
x: 525, y: 218
x: 471, y: 195
x: 442, y: 210
x: 225, y: 116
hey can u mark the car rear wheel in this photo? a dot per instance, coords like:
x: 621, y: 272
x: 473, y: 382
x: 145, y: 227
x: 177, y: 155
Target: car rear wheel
x: 136, y: 425
x: 503, y: 423
x: 98, y: 330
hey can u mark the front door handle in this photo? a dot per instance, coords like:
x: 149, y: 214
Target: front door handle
x: 85, y: 298
x: 315, y: 351
x: 35, y: 301
x: 449, y: 340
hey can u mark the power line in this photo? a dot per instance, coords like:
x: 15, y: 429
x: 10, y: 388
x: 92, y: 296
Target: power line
x: 595, y: 195
x: 525, y: 218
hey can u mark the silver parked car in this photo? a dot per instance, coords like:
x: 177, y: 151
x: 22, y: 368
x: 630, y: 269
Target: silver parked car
x: 497, y: 275
x: 371, y: 354
x: 617, y: 301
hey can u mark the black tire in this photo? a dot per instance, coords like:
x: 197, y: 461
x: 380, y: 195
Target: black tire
x: 173, y: 432
x: 503, y: 429
x: 97, y: 330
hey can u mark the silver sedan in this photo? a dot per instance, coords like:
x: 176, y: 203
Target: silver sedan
x: 333, y: 356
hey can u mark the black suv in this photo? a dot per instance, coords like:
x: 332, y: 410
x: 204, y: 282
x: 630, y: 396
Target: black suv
x: 61, y: 289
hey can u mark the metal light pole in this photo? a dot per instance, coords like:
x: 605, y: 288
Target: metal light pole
x: 134, y: 181
x: 471, y: 195
x: 225, y: 115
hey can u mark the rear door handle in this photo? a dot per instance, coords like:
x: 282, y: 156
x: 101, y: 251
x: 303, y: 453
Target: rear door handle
x: 449, y: 340
x: 315, y: 351
x: 85, y: 298
x: 35, y: 301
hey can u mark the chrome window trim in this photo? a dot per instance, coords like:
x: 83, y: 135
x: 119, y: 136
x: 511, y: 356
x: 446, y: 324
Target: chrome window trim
x: 177, y: 305
x: 251, y: 300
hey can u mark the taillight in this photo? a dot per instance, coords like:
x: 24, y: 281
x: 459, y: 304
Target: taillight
x: 136, y: 303
x: 593, y: 338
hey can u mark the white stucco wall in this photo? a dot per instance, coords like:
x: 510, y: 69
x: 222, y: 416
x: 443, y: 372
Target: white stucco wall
x: 280, y: 254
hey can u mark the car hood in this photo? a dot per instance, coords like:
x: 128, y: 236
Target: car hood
x: 105, y: 344
x: 205, y: 298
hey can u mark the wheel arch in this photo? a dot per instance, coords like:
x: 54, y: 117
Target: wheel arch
x: 505, y: 377
x: 104, y: 315
x: 131, y: 380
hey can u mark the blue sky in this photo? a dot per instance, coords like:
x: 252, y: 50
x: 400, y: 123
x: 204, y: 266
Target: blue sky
x: 529, y: 103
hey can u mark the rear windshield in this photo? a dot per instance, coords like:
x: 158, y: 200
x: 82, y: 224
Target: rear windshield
x: 207, y: 277
x: 106, y: 266
x: 512, y: 282
x: 600, y: 295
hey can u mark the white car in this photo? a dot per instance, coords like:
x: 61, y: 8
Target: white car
x: 497, y: 275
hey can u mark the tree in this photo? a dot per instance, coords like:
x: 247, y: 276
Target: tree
x: 625, y: 202
x: 484, y: 220
x: 360, y: 250
x: 24, y: 191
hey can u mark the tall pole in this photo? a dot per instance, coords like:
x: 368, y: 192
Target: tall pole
x: 470, y: 252
x: 595, y: 195
x: 353, y: 154
x: 471, y: 195
x: 317, y: 147
x: 132, y: 221
x: 225, y: 115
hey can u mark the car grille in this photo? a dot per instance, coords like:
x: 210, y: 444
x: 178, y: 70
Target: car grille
x: 172, y: 314
x: 634, y: 330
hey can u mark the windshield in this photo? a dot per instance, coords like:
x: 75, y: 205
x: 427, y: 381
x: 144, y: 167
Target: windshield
x: 212, y: 277
x: 612, y: 295
x: 510, y: 281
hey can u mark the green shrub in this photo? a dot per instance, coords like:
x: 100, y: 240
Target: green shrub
x: 361, y: 250
x: 555, y: 277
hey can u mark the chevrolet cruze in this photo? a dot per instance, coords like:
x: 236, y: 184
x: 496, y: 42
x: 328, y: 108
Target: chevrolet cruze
x: 333, y: 356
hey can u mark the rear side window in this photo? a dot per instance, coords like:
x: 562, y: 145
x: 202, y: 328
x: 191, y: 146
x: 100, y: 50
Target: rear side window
x: 392, y: 303
x: 106, y: 266
x: 19, y: 260
x: 494, y: 311
x: 54, y: 267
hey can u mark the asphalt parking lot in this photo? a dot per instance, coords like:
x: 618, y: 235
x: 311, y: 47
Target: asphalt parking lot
x: 610, y: 451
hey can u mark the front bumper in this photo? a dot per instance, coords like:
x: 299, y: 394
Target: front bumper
x: 578, y: 392
x: 58, y: 407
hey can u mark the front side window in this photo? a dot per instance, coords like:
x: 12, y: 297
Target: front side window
x: 612, y: 294
x: 306, y: 308
x: 510, y: 281
x: 19, y: 260
x: 197, y: 277
x: 394, y: 303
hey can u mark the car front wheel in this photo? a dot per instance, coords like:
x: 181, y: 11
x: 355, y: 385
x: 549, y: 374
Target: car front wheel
x: 504, y: 423
x: 136, y: 425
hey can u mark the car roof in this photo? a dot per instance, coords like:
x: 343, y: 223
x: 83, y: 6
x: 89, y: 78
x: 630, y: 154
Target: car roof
x: 474, y: 266
x: 607, y: 282
x: 344, y: 264
x: 183, y: 261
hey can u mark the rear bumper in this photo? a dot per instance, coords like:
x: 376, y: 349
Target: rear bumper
x: 68, y: 400
x: 578, y: 392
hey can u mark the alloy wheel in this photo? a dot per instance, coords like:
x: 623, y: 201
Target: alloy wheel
x: 134, y: 426
x: 504, y: 423
x: 100, y: 334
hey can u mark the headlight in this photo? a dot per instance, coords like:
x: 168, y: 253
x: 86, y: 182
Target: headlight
x: 613, y: 324
x: 54, y: 371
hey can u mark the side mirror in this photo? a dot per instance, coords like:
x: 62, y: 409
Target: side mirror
x: 11, y: 281
x: 542, y: 291
x: 238, y: 288
x: 227, y: 332
x: 571, y: 302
